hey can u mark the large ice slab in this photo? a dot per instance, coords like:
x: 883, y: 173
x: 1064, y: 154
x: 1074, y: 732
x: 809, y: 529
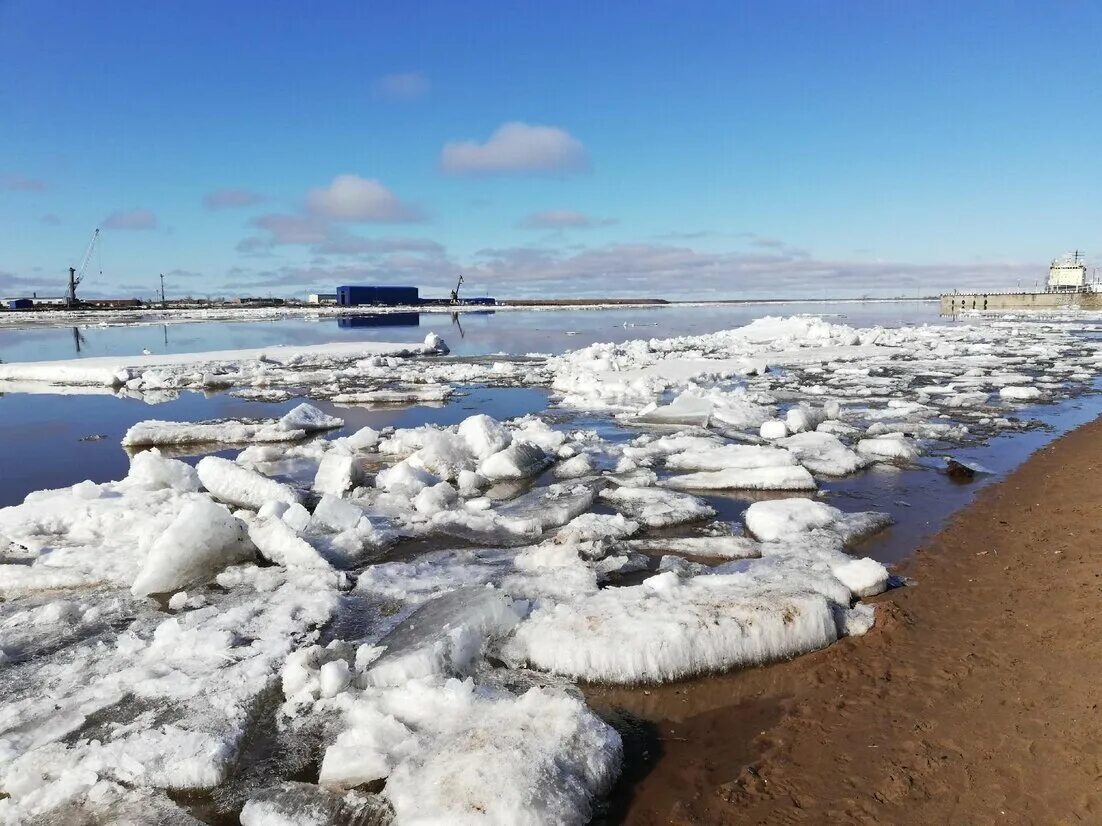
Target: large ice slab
x: 667, y: 629
x: 114, y: 371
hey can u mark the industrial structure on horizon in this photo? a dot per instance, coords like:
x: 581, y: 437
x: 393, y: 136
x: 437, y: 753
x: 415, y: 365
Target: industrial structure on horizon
x: 1067, y: 286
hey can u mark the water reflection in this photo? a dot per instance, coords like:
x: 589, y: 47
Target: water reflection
x: 379, y: 320
x: 78, y: 338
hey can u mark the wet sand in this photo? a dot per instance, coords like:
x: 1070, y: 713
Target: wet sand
x: 975, y: 699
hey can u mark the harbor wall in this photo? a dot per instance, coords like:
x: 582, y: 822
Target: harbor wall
x: 953, y: 303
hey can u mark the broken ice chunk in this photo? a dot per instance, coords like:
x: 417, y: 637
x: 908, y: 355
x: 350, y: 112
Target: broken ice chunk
x: 892, y: 446
x: 657, y: 508
x: 687, y: 408
x: 553, y: 505
x: 336, y: 474
x: 518, y: 461
x: 200, y: 542
x: 670, y: 628
x: 484, y: 436
x: 304, y: 804
x: 240, y: 486
x: 759, y: 478
x: 855, y: 621
x: 773, y: 429
x: 443, y: 636
x: 277, y: 541
x: 730, y: 456
x: 781, y: 519
x: 150, y: 470
x: 574, y: 467
x: 824, y: 454
x: 308, y: 418
x: 1020, y: 393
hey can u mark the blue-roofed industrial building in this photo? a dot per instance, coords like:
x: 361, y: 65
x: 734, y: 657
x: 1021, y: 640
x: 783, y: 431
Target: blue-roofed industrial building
x: 350, y: 296
x: 19, y: 303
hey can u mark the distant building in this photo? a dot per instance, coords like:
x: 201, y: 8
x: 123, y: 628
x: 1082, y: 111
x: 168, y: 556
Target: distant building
x: 18, y: 303
x: 322, y: 298
x: 380, y: 296
x: 1067, y: 273
x: 255, y: 301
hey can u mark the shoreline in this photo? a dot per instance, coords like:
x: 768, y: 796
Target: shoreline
x: 973, y: 699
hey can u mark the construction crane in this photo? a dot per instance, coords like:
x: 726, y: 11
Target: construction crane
x: 76, y: 274
x: 455, y: 292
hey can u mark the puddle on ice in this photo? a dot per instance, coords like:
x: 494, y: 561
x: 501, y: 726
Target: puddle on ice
x: 424, y: 583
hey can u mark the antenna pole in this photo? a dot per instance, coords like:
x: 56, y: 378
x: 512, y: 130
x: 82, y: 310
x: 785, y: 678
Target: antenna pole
x: 162, y: 291
x: 72, y: 298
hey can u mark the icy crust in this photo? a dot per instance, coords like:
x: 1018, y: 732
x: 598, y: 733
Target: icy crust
x: 419, y: 711
x: 153, y: 702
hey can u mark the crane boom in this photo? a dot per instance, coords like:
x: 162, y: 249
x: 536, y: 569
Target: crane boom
x: 76, y: 274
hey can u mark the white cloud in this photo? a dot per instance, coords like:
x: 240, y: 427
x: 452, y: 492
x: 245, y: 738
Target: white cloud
x: 517, y: 148
x: 401, y: 86
x: 131, y: 219
x: 223, y: 198
x: 352, y: 198
x: 564, y: 219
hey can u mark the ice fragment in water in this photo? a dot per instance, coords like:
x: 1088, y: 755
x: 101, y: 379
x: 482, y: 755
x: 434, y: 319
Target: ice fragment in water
x: 484, y: 436
x: 200, y: 542
x: 518, y: 461
x: 308, y: 418
x: 150, y: 470
x: 240, y: 486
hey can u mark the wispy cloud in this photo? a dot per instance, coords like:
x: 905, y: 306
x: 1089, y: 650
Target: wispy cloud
x: 352, y: 198
x: 21, y: 183
x: 229, y: 198
x: 517, y: 148
x: 323, y: 237
x: 564, y: 219
x: 50, y: 219
x: 401, y: 85
x: 131, y: 219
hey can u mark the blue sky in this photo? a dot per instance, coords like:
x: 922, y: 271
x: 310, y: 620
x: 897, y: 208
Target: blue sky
x: 699, y: 150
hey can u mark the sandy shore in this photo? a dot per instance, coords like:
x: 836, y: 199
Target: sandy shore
x: 974, y: 700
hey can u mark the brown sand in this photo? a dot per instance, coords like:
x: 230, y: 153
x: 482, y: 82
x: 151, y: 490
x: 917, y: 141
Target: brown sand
x: 974, y: 700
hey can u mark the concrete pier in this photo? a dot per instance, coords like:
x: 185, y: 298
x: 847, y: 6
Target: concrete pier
x: 954, y: 303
